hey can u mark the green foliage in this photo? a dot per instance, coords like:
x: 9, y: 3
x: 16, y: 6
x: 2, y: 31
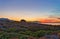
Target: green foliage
x: 12, y: 29
x: 24, y: 34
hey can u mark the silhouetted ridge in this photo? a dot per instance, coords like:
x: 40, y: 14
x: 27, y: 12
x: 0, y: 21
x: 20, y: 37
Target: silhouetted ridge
x: 22, y: 20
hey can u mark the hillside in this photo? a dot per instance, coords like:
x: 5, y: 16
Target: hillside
x: 25, y: 30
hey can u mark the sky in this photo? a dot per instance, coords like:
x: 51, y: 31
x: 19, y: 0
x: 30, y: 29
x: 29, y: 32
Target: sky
x: 30, y: 9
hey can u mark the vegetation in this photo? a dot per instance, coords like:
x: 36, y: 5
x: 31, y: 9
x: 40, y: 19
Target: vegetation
x: 22, y: 31
x: 24, y: 34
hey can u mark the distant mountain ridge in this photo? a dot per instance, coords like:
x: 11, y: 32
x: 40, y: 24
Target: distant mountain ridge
x: 5, y: 20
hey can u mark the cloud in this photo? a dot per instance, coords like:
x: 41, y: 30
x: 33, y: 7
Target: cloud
x: 50, y: 20
x: 55, y: 14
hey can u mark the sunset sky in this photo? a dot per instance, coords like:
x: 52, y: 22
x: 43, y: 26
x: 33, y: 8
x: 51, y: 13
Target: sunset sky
x: 32, y: 10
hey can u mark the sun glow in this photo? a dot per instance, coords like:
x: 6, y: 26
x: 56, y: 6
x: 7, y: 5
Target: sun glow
x: 19, y: 18
x: 43, y: 20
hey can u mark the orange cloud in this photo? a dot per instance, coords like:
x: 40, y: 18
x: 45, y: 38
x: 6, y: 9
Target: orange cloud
x: 49, y: 20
